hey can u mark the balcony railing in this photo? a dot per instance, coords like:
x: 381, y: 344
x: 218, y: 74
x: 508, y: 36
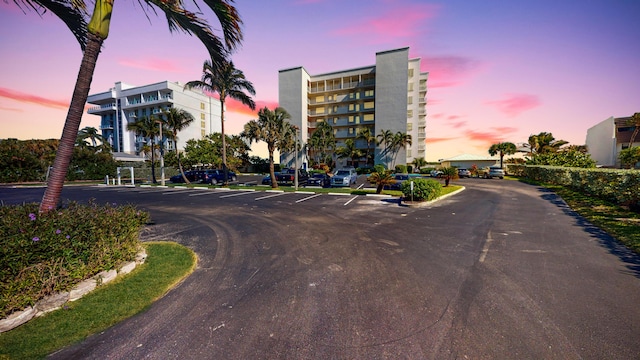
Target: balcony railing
x: 104, y: 107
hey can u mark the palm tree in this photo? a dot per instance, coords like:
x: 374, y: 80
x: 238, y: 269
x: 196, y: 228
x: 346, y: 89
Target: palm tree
x: 149, y: 129
x: 325, y: 140
x: 91, y: 133
x: 385, y: 138
x: 449, y: 173
x: 227, y: 81
x: 273, y: 128
x: 544, y: 143
x: 399, y: 141
x: 635, y: 122
x: 349, y: 151
x: 367, y: 135
x: 177, y: 120
x: 381, y: 179
x: 419, y: 162
x: 91, y: 36
x: 503, y: 148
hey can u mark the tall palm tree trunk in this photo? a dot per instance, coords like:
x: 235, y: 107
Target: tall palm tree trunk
x: 51, y: 196
x: 225, y: 170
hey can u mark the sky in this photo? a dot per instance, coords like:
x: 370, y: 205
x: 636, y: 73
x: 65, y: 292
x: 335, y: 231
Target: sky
x: 499, y: 70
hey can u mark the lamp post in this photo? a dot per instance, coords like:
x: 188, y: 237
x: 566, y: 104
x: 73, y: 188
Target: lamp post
x: 296, y: 155
x: 162, y: 182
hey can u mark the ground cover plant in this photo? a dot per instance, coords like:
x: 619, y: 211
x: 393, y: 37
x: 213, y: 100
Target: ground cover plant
x: 45, y: 253
x: 166, y: 265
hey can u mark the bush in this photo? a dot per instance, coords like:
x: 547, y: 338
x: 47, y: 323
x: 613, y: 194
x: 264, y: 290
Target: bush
x: 423, y: 189
x: 42, y: 254
x: 401, y: 169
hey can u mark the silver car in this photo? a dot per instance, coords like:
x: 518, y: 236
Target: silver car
x: 494, y: 172
x: 344, y: 177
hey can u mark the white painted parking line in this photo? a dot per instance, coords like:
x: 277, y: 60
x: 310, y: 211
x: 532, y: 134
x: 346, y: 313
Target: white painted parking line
x: 236, y: 194
x: 485, y: 248
x: 308, y: 197
x: 269, y: 196
x: 353, y: 198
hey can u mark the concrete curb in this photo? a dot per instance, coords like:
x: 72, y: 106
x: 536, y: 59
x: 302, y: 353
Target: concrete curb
x: 57, y: 301
x: 427, y: 203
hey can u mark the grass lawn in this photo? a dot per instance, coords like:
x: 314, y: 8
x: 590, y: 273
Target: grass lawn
x: 167, y: 264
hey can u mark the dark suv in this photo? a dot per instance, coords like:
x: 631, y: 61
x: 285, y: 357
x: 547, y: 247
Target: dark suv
x: 214, y: 177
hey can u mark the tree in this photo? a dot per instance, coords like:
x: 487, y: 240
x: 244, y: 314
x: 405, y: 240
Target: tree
x: 91, y: 133
x: 449, y: 173
x: 177, y: 120
x: 503, y: 148
x: 148, y: 128
x: 227, y: 81
x: 630, y: 157
x: 385, y: 138
x: 349, y: 151
x: 399, y: 141
x: 419, y: 162
x: 544, y: 143
x: 634, y: 121
x: 367, y: 135
x: 381, y: 178
x: 323, y: 143
x: 208, y: 151
x: 273, y: 128
x: 91, y: 36
x: 568, y: 158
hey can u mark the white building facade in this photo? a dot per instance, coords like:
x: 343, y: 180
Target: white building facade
x: 124, y: 104
x: 390, y: 95
x: 606, y: 139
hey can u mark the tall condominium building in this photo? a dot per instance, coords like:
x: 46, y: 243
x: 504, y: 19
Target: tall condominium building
x: 124, y: 104
x: 387, y: 96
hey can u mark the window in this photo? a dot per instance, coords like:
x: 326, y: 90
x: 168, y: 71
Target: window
x: 368, y: 117
x: 203, y: 124
x: 352, y: 131
x: 369, y: 93
x: 410, y: 86
x: 351, y: 107
x: 369, y: 105
x: 202, y: 105
x: 202, y: 133
x: 202, y: 116
x: 409, y: 153
x: 351, y: 119
x: 410, y: 72
x: 320, y: 110
x: 409, y: 100
x: 409, y: 113
x: 335, y: 121
x: 409, y: 126
x: 319, y: 99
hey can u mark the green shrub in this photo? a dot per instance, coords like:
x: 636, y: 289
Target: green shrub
x: 401, y: 169
x: 42, y: 254
x: 423, y: 189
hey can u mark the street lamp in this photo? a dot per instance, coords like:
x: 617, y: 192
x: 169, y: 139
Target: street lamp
x: 296, y: 155
x: 161, y: 154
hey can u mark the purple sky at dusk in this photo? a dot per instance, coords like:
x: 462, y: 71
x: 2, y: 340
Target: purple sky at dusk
x: 499, y: 70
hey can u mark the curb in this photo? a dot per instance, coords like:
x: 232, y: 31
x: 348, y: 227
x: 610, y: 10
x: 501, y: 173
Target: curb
x: 427, y: 203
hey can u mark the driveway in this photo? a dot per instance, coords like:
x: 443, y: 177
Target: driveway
x: 503, y: 270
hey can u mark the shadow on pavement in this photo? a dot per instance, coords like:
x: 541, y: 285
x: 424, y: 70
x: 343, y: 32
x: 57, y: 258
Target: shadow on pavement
x: 630, y: 258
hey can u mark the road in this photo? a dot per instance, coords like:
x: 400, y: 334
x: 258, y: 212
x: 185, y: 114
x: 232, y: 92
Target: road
x: 502, y: 270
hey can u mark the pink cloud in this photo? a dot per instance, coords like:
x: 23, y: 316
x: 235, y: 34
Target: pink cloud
x: 433, y: 140
x: 485, y: 137
x: 436, y: 116
x: 514, y: 104
x: 386, y: 27
x: 152, y: 64
x: 238, y: 107
x: 32, y: 99
x: 449, y: 70
x: 458, y: 124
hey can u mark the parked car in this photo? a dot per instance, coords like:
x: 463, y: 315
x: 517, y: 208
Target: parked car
x: 464, y: 173
x: 191, y: 175
x: 436, y: 173
x: 319, y: 179
x: 217, y: 176
x: 266, y: 180
x: 288, y: 177
x: 344, y: 177
x: 399, y: 178
x: 494, y: 171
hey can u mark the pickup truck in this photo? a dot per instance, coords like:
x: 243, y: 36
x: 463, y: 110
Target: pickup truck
x: 287, y: 177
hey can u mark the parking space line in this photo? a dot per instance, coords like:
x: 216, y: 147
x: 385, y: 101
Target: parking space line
x: 269, y: 196
x: 485, y: 248
x: 353, y: 198
x: 236, y: 194
x: 307, y: 198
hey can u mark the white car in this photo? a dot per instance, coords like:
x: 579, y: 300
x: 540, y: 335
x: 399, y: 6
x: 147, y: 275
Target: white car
x: 344, y: 177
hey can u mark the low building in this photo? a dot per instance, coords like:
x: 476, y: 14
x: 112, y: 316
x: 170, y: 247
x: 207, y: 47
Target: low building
x: 466, y: 161
x: 124, y: 104
x: 606, y: 139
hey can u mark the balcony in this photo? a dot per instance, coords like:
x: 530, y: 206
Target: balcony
x: 106, y: 126
x: 105, y: 108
